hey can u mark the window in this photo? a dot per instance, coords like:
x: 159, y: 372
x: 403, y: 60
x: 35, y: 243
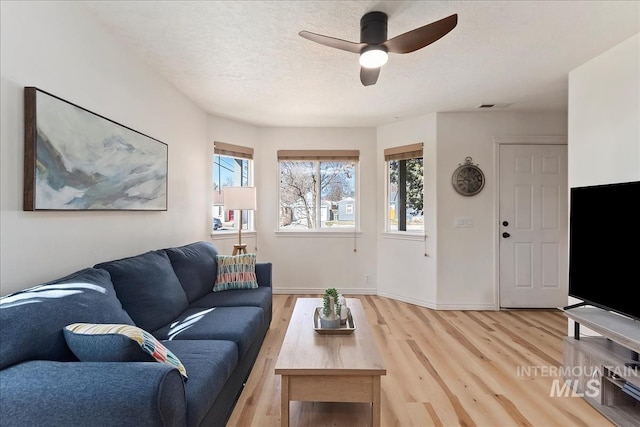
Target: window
x: 232, y: 166
x: 318, y: 189
x: 405, y: 184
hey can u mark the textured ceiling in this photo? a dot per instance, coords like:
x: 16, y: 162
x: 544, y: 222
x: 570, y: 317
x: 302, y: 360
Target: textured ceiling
x: 244, y: 59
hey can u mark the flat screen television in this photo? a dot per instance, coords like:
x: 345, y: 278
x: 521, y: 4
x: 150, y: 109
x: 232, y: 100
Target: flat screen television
x: 604, y: 247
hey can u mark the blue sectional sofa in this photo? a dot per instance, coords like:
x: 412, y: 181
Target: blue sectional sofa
x: 216, y: 335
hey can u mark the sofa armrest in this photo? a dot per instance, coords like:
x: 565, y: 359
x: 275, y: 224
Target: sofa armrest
x: 46, y: 393
x: 263, y: 273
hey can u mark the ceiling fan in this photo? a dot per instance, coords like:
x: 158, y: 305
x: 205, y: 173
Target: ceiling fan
x: 374, y: 46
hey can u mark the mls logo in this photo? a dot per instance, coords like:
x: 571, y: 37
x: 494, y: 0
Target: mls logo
x: 570, y: 388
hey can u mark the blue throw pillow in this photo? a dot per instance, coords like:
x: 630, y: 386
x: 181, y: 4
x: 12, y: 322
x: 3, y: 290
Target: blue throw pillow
x: 104, y: 347
x: 118, y: 343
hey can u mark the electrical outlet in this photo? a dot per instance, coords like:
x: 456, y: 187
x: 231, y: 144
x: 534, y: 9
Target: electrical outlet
x: 366, y: 278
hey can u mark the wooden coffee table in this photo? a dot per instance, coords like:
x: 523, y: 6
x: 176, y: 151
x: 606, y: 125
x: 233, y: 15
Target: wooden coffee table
x: 329, y: 368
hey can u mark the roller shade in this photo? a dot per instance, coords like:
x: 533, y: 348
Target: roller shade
x: 319, y: 155
x: 224, y: 149
x: 405, y: 152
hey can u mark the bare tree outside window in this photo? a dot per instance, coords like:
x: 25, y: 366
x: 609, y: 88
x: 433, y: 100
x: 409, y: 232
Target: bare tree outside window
x: 298, y: 194
x: 312, y: 194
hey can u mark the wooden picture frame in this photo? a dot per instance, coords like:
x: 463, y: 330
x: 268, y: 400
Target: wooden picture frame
x: 75, y: 159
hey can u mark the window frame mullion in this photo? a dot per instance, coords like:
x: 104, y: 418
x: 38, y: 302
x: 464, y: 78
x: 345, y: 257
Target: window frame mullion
x: 402, y: 195
x: 318, y: 206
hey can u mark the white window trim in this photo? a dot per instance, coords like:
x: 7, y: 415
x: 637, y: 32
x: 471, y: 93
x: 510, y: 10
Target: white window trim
x: 232, y: 234
x: 387, y: 194
x: 405, y: 235
x: 347, y: 234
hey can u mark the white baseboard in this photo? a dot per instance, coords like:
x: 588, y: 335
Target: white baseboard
x: 421, y: 303
x: 320, y: 291
x: 373, y: 291
x: 434, y: 306
x: 473, y: 307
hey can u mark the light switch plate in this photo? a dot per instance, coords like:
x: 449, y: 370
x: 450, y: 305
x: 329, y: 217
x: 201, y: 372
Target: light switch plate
x: 463, y: 222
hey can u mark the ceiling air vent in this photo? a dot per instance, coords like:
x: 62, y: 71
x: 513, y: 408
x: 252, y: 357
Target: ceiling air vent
x: 492, y: 106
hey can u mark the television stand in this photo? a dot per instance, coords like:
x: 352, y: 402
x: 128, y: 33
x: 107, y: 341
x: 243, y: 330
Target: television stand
x: 599, y: 367
x: 635, y: 364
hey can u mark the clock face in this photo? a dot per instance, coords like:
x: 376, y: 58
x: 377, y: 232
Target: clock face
x: 468, y: 180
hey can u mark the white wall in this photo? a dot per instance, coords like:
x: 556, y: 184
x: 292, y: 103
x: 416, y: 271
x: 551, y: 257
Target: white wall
x: 59, y: 48
x: 467, y: 276
x: 604, y: 120
x: 404, y: 272
x: 604, y: 117
x: 311, y: 262
x: 460, y: 269
x: 307, y: 262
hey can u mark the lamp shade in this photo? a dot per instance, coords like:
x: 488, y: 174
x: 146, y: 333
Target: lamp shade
x: 241, y: 198
x: 218, y: 198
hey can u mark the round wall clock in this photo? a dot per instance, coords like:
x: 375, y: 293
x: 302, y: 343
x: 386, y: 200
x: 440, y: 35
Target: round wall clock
x: 468, y: 179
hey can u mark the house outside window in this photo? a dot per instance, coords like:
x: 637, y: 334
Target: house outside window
x: 348, y: 209
x: 316, y: 188
x: 232, y: 167
x: 405, y: 188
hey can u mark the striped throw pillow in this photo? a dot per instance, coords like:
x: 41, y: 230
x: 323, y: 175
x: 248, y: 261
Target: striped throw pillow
x: 236, y: 272
x: 92, y: 342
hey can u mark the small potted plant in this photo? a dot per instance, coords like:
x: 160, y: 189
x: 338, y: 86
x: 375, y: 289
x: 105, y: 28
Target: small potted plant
x: 330, y: 316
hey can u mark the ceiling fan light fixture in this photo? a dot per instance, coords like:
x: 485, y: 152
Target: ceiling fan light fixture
x: 373, y: 57
x: 374, y: 43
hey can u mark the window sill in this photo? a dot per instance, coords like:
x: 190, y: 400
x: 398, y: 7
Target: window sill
x: 403, y: 235
x: 231, y: 234
x: 318, y: 233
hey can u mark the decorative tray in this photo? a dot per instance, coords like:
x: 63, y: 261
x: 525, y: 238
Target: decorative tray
x: 344, y: 329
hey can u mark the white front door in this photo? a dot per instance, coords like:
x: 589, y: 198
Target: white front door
x: 533, y: 226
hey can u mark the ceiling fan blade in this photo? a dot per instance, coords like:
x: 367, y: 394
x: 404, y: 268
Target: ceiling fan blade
x: 333, y: 42
x: 421, y: 37
x: 369, y: 76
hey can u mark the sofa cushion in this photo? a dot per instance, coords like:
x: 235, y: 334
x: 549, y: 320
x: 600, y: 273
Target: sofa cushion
x: 210, y: 364
x: 242, y: 325
x: 92, y: 342
x: 259, y: 297
x: 148, y: 288
x: 196, y: 268
x: 31, y: 321
x: 236, y: 272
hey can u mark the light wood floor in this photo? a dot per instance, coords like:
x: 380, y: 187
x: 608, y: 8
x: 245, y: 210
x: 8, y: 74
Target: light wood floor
x: 444, y: 368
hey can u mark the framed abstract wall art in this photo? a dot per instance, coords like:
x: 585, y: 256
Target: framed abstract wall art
x: 75, y: 159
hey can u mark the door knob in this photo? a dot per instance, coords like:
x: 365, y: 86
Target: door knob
x: 505, y: 235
